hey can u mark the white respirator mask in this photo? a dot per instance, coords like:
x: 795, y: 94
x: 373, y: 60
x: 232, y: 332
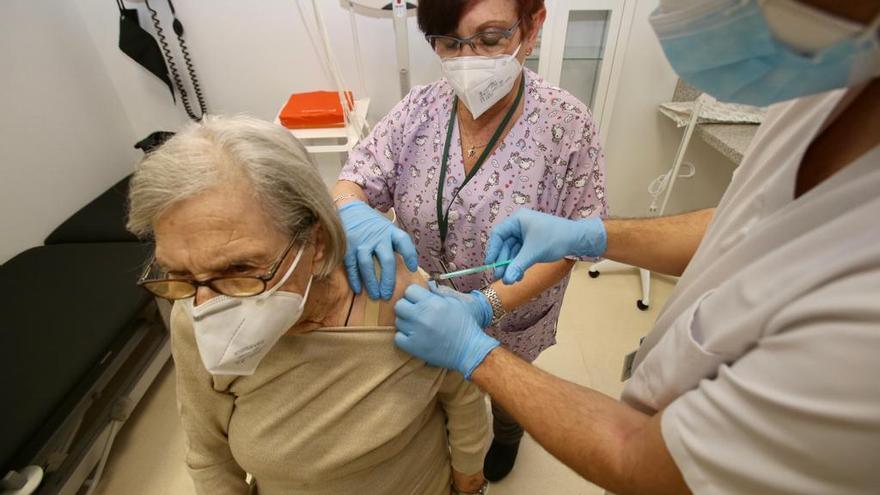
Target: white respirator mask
x: 480, y: 82
x: 233, y: 334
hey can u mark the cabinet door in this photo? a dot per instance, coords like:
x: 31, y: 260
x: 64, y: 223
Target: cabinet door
x: 581, y: 50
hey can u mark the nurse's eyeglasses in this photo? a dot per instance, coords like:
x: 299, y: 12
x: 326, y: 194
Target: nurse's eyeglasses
x: 485, y: 43
x: 157, y: 281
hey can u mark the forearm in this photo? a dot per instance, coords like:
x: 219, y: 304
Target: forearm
x: 536, y: 280
x: 603, y: 440
x: 346, y: 187
x: 664, y: 244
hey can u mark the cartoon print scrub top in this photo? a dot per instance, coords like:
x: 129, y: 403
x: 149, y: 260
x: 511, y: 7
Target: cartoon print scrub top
x: 550, y: 161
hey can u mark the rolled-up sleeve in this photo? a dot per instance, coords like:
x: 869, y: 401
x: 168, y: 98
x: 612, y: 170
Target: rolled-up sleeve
x: 583, y: 195
x: 798, y: 413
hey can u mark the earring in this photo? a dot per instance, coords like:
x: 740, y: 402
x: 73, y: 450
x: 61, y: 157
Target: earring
x: 528, y: 52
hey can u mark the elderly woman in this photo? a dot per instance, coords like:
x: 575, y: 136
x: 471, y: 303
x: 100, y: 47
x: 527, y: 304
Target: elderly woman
x: 283, y: 372
x: 458, y: 156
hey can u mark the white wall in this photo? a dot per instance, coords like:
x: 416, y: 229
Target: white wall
x: 642, y: 143
x: 76, y: 98
x: 63, y: 135
x: 73, y: 104
x: 250, y: 56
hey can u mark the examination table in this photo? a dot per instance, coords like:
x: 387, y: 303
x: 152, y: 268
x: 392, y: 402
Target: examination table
x: 79, y: 346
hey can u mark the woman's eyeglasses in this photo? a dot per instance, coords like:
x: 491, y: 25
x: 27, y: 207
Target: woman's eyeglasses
x: 156, y: 280
x: 485, y: 43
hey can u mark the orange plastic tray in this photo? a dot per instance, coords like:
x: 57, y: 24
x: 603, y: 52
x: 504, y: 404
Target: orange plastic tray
x: 315, y: 109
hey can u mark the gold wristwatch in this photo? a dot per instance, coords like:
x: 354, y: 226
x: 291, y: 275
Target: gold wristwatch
x: 498, y: 311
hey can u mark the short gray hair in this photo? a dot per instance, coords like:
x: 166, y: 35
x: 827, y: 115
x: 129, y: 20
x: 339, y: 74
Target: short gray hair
x: 204, y: 154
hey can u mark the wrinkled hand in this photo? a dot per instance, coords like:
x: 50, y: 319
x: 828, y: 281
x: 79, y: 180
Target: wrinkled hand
x: 440, y: 330
x: 369, y: 233
x: 476, y: 301
x: 530, y: 237
x: 467, y: 483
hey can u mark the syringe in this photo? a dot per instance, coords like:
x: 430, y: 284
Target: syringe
x: 468, y: 271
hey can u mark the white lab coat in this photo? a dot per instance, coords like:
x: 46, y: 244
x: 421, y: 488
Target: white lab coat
x: 766, y: 358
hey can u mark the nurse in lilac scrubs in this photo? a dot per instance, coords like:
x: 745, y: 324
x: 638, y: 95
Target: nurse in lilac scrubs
x: 459, y: 155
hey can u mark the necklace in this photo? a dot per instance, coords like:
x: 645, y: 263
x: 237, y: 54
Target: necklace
x: 443, y: 218
x: 472, y: 151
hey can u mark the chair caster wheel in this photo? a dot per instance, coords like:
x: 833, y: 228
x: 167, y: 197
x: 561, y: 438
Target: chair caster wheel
x: 642, y: 306
x: 593, y: 274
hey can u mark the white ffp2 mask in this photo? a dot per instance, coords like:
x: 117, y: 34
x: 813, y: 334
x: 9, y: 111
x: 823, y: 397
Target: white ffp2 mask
x: 480, y: 82
x: 234, y: 334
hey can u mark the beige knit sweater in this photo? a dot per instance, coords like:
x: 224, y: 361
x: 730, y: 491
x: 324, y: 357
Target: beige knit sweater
x: 331, y: 412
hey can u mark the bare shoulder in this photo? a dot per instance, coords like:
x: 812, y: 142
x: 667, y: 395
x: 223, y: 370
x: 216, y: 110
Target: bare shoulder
x: 405, y: 278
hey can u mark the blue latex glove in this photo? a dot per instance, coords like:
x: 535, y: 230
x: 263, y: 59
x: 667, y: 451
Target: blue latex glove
x: 530, y: 237
x: 440, y: 330
x: 369, y: 233
x: 476, y: 301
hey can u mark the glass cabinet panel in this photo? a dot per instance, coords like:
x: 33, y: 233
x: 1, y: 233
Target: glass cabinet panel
x: 580, y: 50
x: 583, y: 53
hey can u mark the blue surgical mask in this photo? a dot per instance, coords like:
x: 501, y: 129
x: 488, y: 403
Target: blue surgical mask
x: 726, y: 48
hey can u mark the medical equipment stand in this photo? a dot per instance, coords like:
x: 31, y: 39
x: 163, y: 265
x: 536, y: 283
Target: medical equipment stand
x: 402, y: 38
x: 645, y: 275
x: 399, y: 11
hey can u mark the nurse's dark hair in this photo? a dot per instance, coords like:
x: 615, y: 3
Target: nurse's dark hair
x: 442, y: 16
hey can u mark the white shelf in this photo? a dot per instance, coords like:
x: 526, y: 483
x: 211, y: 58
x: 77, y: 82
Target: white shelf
x: 312, y: 138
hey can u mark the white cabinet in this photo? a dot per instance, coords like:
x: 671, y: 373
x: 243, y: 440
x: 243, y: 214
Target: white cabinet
x: 581, y: 50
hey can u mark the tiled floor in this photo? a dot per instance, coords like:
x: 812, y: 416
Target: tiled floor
x: 598, y: 326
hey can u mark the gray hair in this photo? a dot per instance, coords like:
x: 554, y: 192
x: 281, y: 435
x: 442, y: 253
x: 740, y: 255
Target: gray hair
x: 204, y: 154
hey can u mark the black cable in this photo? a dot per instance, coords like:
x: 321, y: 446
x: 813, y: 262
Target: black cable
x: 187, y: 60
x: 172, y: 66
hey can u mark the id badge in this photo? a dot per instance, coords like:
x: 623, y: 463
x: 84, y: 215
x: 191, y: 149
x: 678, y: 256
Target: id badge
x: 628, y: 362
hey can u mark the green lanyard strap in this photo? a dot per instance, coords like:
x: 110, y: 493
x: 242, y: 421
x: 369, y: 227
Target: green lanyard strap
x: 443, y: 219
